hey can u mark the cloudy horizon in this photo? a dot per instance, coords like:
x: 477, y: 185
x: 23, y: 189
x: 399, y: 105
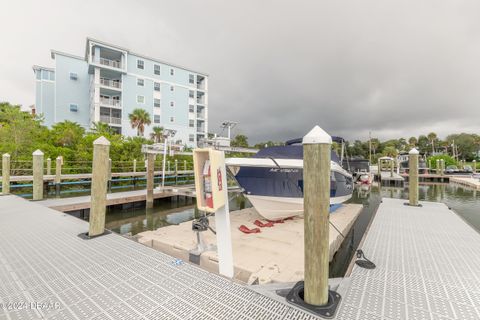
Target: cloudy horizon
x: 397, y: 69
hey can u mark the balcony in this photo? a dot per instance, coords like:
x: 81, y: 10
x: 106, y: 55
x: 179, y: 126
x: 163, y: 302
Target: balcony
x: 200, y: 116
x: 110, y: 120
x: 110, y: 102
x: 116, y: 84
x: 110, y: 63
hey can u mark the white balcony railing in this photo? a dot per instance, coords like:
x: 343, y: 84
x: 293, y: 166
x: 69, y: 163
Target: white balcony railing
x: 110, y: 63
x: 110, y: 120
x: 110, y: 102
x: 200, y: 116
x: 111, y: 83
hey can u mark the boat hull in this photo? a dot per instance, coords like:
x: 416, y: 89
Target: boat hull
x: 276, y: 208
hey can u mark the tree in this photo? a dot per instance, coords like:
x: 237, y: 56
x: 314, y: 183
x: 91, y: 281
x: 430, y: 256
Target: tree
x: 157, y: 134
x: 66, y: 133
x: 240, y: 140
x: 432, y: 137
x: 138, y: 119
x: 375, y: 143
x: 102, y: 129
x: 412, y: 141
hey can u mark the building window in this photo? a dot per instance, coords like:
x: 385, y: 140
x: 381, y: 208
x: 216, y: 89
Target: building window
x: 172, y: 119
x: 172, y: 88
x: 191, y: 108
x: 140, y: 64
x: 191, y: 78
x: 156, y: 103
x: 191, y: 137
x: 140, y: 99
x: 156, y: 118
x: 38, y: 74
x: 172, y: 104
x: 191, y: 94
x: 172, y: 72
x: 140, y: 82
x: 73, y: 76
x: 191, y: 123
x: 73, y: 108
x: 156, y: 69
x: 156, y: 86
x: 48, y: 75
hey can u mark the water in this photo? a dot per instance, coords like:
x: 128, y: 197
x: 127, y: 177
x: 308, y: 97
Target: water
x: 165, y: 213
x: 461, y: 200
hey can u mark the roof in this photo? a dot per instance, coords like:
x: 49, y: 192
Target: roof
x: 54, y: 52
x: 37, y: 67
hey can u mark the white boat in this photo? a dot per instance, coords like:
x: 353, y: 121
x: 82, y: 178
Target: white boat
x: 273, y: 181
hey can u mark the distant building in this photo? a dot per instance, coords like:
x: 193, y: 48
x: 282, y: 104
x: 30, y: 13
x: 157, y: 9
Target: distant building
x: 109, y: 82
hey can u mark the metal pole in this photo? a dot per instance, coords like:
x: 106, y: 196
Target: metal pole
x: 150, y: 177
x: 100, y: 172
x: 58, y: 175
x: 37, y: 175
x: 316, y: 176
x: 5, y: 173
x: 413, y: 177
x: 49, y: 166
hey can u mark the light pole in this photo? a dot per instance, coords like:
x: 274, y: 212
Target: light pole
x: 167, y: 133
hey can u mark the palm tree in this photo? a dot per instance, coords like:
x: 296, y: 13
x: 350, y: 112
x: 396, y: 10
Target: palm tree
x: 432, y: 136
x: 102, y: 128
x: 157, y: 134
x: 138, y: 119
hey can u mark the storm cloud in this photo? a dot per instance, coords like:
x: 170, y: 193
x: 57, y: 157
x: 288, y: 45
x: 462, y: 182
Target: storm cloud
x: 396, y: 68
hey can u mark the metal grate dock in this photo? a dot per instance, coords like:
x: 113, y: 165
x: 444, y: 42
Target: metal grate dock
x: 42, y: 260
x: 428, y: 266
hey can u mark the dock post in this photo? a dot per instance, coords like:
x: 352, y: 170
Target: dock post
x: 134, y: 165
x: 474, y: 166
x: 37, y: 175
x: 442, y: 167
x: 58, y: 175
x: 176, y: 172
x: 109, y: 183
x: 49, y: 166
x: 413, y: 177
x: 150, y: 177
x: 5, y: 173
x: 168, y: 166
x: 316, y: 176
x: 100, y: 166
x: 437, y: 167
x: 391, y: 168
x: 185, y: 166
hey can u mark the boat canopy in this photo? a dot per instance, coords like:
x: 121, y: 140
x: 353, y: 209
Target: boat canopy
x: 287, y: 152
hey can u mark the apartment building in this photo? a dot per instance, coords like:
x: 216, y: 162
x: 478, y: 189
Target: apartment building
x: 109, y: 82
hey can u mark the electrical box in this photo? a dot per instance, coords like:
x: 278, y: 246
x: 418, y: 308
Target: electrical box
x: 209, y: 169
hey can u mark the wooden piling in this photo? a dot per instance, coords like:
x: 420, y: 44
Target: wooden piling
x: 391, y: 168
x: 437, y: 167
x: 176, y: 172
x: 185, y: 165
x: 37, y: 175
x: 49, y: 166
x: 100, y: 166
x: 316, y: 176
x: 5, y: 173
x: 109, y: 183
x: 58, y: 175
x: 442, y: 167
x: 413, y: 177
x: 474, y: 166
x: 134, y: 165
x: 150, y: 177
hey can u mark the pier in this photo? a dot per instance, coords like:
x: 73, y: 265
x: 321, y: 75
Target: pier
x: 389, y: 179
x: 47, y: 267
x: 116, y: 198
x: 427, y: 266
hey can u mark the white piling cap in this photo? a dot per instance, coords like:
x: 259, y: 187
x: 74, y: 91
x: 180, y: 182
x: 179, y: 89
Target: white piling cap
x: 6, y: 155
x: 37, y: 152
x: 316, y: 136
x: 102, y: 140
x: 413, y: 151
